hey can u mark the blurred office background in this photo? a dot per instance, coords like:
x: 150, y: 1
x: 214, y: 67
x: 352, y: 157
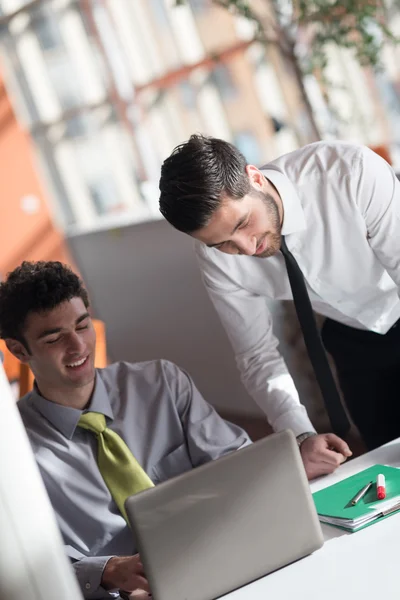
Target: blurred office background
x: 95, y: 94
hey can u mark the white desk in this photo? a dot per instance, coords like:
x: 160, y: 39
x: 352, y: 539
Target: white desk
x: 358, y: 566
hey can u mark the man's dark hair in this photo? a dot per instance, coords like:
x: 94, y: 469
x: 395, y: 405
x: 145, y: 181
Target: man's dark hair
x: 196, y: 178
x: 35, y: 287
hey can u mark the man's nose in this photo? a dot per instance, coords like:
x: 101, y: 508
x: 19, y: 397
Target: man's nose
x: 75, y: 344
x: 247, y: 244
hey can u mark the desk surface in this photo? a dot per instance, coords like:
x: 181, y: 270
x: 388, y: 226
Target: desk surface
x: 358, y: 566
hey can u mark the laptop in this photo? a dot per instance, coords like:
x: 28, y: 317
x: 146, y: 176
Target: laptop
x: 227, y: 523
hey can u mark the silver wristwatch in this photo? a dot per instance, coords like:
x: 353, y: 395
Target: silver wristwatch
x: 303, y: 436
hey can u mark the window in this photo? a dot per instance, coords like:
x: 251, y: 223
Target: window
x: 45, y: 27
x: 248, y: 145
x: 199, y: 6
x: 105, y: 195
x: 160, y: 12
x: 188, y: 94
x: 77, y: 126
x: 62, y: 74
x: 221, y: 77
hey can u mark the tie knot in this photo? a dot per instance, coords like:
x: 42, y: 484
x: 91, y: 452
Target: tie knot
x: 93, y: 421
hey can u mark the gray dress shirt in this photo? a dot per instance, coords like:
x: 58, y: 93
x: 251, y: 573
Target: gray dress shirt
x: 157, y: 410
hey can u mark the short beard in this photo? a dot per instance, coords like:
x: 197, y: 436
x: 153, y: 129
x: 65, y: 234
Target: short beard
x: 273, y: 236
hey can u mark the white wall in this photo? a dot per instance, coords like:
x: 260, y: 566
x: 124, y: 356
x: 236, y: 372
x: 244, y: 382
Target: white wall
x: 145, y: 284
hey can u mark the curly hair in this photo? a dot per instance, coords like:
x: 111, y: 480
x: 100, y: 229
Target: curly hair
x: 35, y: 287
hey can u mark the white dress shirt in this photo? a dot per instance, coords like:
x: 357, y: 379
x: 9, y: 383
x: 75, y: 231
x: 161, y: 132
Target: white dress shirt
x: 342, y: 223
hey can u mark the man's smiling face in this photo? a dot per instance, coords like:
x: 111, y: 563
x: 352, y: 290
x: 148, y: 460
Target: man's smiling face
x: 62, y: 346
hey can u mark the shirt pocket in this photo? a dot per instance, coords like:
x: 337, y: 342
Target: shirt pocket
x: 174, y: 463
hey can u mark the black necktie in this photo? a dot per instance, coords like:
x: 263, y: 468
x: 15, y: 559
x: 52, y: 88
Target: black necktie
x: 316, y: 351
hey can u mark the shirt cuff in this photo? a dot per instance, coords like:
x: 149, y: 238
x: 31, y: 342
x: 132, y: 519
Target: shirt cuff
x: 89, y: 571
x: 297, y: 420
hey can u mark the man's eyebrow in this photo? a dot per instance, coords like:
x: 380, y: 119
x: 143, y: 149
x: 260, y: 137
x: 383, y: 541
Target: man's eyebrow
x: 47, y: 332
x: 82, y: 318
x: 238, y: 224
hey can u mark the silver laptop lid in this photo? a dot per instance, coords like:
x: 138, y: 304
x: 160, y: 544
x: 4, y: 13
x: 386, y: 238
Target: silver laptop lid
x: 226, y: 523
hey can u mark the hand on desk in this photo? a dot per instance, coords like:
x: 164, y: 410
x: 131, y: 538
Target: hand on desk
x: 125, y: 573
x: 322, y: 454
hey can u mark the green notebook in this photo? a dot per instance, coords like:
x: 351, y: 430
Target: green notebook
x: 334, y: 506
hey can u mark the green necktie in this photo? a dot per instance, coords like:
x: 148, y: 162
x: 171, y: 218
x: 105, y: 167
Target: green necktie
x: 119, y: 468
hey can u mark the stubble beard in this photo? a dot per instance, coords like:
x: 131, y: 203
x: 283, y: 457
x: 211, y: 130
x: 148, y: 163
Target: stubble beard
x: 274, y: 235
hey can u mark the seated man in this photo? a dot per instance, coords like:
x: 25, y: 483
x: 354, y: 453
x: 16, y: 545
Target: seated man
x: 100, y: 435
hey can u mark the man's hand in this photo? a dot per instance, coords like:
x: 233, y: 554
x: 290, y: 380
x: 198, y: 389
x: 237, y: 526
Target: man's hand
x: 322, y: 454
x: 125, y: 573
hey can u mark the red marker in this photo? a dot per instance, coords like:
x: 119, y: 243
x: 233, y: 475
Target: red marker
x: 380, y: 487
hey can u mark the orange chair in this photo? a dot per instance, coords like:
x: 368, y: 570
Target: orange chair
x: 11, y: 364
x: 100, y: 359
x: 19, y: 371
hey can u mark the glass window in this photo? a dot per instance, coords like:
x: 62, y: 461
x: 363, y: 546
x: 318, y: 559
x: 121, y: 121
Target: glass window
x: 61, y: 74
x: 248, y: 145
x: 199, y: 6
x: 105, y: 195
x: 160, y: 12
x: 26, y: 98
x: 45, y: 27
x: 188, y: 94
x: 77, y: 126
x: 54, y: 179
x: 221, y: 77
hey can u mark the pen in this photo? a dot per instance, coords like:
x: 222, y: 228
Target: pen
x: 380, y: 487
x: 361, y: 493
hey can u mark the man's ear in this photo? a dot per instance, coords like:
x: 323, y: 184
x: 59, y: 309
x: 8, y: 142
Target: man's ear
x: 18, y: 349
x: 256, y: 177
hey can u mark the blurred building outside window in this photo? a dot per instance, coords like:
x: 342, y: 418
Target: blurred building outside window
x: 188, y: 94
x: 200, y: 6
x: 221, y: 76
x: 247, y: 143
x: 107, y: 90
x: 45, y: 27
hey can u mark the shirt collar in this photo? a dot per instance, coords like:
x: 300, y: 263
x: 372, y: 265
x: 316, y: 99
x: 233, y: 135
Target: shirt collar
x: 65, y: 418
x: 293, y: 214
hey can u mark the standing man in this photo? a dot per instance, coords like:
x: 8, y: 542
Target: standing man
x: 334, y: 210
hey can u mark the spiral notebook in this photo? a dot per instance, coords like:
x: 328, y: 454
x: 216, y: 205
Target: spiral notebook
x: 334, y: 506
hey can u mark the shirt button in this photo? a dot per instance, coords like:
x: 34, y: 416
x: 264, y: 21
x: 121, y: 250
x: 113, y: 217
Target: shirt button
x: 88, y: 586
